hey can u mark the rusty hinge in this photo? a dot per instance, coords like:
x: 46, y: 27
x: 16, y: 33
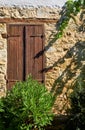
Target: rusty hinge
x: 5, y: 35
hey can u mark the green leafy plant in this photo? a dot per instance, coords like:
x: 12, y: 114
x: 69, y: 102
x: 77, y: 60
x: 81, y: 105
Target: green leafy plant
x: 71, y: 9
x: 77, y: 120
x: 26, y: 107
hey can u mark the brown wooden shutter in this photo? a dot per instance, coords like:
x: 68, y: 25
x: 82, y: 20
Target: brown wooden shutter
x: 34, y: 44
x: 14, y: 55
x: 25, y: 53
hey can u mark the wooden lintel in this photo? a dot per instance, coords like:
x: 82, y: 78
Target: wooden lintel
x: 27, y: 20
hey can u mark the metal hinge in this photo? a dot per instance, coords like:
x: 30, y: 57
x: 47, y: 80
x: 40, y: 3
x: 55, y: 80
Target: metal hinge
x: 38, y: 35
x: 5, y: 35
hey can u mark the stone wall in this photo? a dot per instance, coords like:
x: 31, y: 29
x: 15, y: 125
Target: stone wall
x: 3, y: 60
x: 65, y: 58
x: 20, y: 12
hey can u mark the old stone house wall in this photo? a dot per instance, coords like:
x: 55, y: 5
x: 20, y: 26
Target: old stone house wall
x: 65, y: 58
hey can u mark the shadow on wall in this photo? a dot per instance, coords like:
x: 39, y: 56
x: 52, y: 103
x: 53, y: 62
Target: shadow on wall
x: 73, y: 72
x: 75, y: 69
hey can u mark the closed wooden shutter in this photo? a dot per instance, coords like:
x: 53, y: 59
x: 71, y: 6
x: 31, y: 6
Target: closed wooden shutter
x: 25, y: 53
x: 14, y: 55
x: 34, y: 51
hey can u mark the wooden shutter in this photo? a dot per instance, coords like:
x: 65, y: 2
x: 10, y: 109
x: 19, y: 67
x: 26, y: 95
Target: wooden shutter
x: 34, y: 44
x: 25, y: 53
x: 14, y: 55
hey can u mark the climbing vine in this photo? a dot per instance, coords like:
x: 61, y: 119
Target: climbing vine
x: 71, y: 9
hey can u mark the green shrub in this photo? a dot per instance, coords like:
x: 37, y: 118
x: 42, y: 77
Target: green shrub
x: 26, y: 106
x: 77, y: 120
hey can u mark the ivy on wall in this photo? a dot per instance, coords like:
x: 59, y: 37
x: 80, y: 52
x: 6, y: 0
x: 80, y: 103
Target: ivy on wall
x: 71, y: 9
